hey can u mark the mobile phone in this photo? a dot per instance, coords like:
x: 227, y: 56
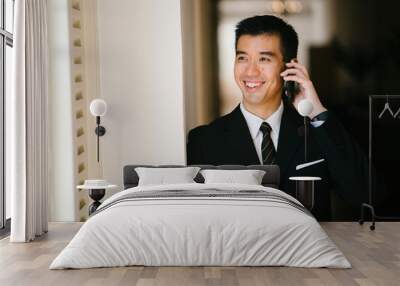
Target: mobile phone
x: 291, y: 89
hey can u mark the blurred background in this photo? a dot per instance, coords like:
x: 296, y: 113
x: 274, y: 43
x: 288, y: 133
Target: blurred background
x: 166, y: 66
x: 351, y: 49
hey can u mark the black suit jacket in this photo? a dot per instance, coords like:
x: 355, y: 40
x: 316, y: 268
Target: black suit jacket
x: 227, y: 140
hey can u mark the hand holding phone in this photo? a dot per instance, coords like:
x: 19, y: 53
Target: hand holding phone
x: 298, y: 86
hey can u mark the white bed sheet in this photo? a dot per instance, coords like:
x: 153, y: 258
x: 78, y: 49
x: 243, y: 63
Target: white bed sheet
x: 200, y: 231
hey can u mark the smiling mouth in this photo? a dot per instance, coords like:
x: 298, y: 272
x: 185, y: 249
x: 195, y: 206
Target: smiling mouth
x: 253, y: 85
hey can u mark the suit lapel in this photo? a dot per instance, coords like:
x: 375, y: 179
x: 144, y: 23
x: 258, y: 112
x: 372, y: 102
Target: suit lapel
x: 238, y: 139
x: 289, y: 139
x: 241, y: 146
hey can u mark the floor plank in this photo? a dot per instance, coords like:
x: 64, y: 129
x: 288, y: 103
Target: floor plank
x: 374, y: 255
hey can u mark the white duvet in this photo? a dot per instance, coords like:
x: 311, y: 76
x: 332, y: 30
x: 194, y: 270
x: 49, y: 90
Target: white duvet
x: 200, y: 231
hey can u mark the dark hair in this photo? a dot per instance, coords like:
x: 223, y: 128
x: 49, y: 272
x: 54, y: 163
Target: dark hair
x: 268, y: 24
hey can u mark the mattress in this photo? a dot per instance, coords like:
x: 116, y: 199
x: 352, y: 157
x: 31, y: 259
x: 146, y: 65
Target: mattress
x: 201, y: 225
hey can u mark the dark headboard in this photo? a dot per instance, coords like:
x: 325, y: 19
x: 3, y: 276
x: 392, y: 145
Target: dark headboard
x: 271, y: 177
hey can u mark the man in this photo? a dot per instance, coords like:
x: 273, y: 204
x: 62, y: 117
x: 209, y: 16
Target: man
x: 266, y: 128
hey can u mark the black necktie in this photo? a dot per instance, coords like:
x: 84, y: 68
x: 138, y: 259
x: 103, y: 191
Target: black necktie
x: 267, y: 146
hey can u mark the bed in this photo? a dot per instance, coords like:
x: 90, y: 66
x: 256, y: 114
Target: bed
x: 201, y: 224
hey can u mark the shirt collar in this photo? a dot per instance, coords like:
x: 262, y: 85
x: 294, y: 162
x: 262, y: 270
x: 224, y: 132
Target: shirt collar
x: 254, y: 122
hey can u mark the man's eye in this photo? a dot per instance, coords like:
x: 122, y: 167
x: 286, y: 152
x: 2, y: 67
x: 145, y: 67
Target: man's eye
x: 241, y: 58
x: 265, y: 59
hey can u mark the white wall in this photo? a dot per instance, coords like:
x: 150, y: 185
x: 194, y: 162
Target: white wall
x: 141, y: 79
x: 62, y: 192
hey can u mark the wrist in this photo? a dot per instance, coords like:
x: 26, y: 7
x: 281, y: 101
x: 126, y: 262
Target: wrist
x: 316, y: 111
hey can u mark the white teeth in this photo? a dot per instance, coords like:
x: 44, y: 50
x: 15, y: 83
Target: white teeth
x: 252, y: 84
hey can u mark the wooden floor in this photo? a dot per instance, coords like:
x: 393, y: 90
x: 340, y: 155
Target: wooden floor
x: 375, y: 256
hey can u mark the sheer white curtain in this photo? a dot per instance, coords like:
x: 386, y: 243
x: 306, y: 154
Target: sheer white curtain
x: 28, y: 117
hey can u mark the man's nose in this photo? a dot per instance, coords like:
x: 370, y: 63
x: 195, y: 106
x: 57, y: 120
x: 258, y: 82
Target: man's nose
x: 252, y: 69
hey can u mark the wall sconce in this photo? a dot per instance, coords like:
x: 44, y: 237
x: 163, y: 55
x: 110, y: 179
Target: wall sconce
x: 98, y: 108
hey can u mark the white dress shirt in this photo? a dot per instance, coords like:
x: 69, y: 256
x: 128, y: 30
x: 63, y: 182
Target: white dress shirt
x: 274, y: 120
x: 254, y: 122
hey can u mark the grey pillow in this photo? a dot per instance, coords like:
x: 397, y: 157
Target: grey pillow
x: 248, y: 177
x: 164, y: 176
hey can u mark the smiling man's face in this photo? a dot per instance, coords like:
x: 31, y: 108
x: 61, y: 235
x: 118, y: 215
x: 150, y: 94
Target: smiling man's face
x: 258, y: 65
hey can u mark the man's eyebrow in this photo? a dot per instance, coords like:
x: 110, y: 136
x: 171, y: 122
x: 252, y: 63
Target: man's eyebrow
x: 240, y: 53
x: 268, y: 53
x: 265, y: 53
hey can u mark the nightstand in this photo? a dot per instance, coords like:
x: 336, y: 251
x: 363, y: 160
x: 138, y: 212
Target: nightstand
x: 97, y: 190
x: 305, y: 190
